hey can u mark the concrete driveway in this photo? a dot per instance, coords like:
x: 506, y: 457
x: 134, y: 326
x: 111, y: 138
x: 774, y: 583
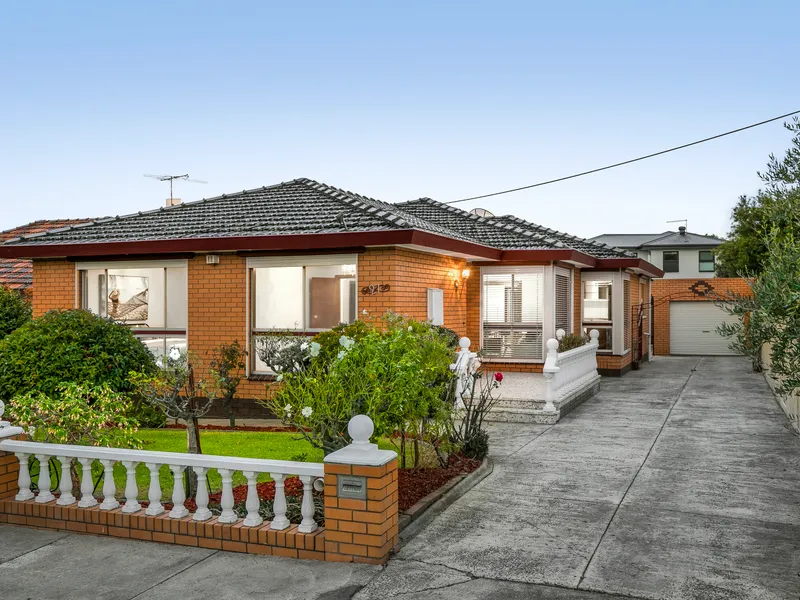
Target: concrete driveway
x: 676, y: 481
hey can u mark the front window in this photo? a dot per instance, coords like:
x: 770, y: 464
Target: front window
x: 150, y: 299
x: 597, y: 311
x: 513, y: 313
x: 671, y: 262
x: 302, y: 296
x: 706, y: 261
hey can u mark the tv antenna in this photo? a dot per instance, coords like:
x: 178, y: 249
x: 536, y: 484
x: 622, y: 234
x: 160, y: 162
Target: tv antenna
x: 172, y: 178
x: 684, y: 221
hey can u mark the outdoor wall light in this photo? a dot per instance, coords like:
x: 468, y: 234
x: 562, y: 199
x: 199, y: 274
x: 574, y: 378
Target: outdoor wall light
x: 465, y: 274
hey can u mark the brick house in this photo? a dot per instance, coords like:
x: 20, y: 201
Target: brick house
x: 305, y: 256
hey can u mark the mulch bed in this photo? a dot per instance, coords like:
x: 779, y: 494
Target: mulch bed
x: 415, y: 484
x: 272, y: 428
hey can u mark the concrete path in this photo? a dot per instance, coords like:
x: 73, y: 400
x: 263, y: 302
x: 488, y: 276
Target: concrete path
x: 677, y: 481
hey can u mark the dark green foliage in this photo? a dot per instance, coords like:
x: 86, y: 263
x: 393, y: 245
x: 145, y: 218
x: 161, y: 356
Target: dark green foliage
x: 449, y: 336
x: 477, y: 446
x: 15, y: 311
x: 572, y: 341
x: 70, y: 346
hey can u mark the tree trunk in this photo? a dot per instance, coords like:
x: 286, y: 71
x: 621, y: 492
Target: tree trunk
x: 229, y: 409
x: 193, y: 445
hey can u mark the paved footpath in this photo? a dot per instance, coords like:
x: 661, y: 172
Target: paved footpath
x: 678, y: 481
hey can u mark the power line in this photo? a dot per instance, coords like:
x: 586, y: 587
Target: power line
x: 626, y: 162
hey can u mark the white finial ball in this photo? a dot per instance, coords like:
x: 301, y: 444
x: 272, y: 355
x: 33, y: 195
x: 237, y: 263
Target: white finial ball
x: 2, y: 408
x: 594, y: 334
x: 360, y: 429
x: 464, y: 343
x: 552, y: 345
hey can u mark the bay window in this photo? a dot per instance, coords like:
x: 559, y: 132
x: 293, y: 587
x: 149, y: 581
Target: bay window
x: 300, y: 295
x: 512, y: 312
x: 148, y: 297
x: 598, y: 310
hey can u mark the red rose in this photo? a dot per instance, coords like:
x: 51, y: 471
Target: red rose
x: 498, y: 377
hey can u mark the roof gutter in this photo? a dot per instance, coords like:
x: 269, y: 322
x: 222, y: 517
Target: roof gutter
x: 296, y: 242
x: 637, y: 264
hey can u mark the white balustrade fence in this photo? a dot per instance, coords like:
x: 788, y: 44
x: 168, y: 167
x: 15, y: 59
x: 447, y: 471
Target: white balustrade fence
x: 251, y: 468
x: 568, y: 372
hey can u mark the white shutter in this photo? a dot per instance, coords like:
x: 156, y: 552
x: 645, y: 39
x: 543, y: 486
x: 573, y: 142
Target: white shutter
x: 513, y: 312
x: 563, y: 293
x: 626, y: 306
x: 435, y: 306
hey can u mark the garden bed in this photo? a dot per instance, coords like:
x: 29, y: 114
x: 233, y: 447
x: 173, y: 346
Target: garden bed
x: 416, y: 484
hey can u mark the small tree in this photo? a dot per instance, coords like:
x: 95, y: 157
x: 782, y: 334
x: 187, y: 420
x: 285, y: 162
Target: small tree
x: 466, y: 425
x: 15, y: 311
x: 175, y: 391
x: 226, y: 369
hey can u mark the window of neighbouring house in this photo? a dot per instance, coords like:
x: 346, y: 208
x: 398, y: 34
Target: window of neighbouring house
x: 706, y: 261
x: 598, y: 311
x: 513, y: 313
x: 671, y: 262
x: 563, y: 289
x: 150, y: 298
x: 301, y: 295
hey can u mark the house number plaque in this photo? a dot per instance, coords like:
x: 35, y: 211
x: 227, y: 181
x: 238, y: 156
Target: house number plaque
x: 371, y: 290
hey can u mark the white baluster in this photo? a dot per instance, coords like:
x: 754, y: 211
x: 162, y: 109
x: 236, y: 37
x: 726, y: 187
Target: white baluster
x: 154, y: 494
x: 44, y: 479
x: 23, y: 479
x: 308, y: 524
x: 178, y: 493
x: 202, y: 513
x: 550, y: 372
x: 279, y: 505
x: 131, y: 489
x: 109, y: 487
x: 253, y: 519
x: 87, y: 485
x: 226, y: 502
x: 66, y: 498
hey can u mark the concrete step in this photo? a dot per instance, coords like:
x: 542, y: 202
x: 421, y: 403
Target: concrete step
x: 521, y: 415
x: 527, y: 403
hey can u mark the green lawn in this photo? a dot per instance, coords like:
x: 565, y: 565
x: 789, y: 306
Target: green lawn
x: 245, y: 444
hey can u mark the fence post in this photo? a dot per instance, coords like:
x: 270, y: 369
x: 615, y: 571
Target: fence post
x: 9, y: 462
x: 361, y: 499
x: 550, y: 371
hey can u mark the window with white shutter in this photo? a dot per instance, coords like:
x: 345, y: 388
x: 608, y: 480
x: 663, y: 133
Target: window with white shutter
x: 513, y: 313
x: 626, y: 307
x: 563, y: 293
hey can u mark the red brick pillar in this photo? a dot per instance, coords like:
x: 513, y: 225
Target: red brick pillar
x: 361, y: 500
x: 9, y: 464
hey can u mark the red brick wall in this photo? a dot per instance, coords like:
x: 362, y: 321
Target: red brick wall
x: 666, y: 290
x: 54, y: 285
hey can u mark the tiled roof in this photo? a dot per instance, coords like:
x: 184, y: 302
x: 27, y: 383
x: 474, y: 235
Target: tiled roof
x: 665, y: 238
x: 17, y: 273
x: 295, y: 207
x: 303, y: 206
x: 506, y: 232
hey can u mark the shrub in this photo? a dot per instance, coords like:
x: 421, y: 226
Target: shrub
x: 466, y: 423
x: 77, y: 414
x: 15, y: 311
x: 226, y: 369
x: 70, y: 346
x: 572, y: 341
x: 397, y: 374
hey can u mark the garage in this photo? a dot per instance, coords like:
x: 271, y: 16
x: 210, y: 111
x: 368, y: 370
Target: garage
x: 693, y: 329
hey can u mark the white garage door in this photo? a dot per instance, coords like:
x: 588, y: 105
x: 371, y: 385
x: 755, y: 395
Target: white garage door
x: 692, y: 329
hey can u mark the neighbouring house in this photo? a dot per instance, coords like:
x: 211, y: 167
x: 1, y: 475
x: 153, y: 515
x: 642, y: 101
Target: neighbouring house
x: 305, y: 256
x: 17, y: 273
x: 680, y: 254
x: 685, y: 314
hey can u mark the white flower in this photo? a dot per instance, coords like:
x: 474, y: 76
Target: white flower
x: 315, y: 348
x: 174, y: 353
x: 341, y: 354
x: 304, y: 346
x: 31, y: 431
x: 365, y: 312
x: 410, y: 328
x: 288, y: 409
x: 279, y: 377
x: 306, y: 412
x: 346, y: 342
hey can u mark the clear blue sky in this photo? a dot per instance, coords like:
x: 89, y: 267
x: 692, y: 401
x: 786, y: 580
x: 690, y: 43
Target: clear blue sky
x: 396, y: 102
